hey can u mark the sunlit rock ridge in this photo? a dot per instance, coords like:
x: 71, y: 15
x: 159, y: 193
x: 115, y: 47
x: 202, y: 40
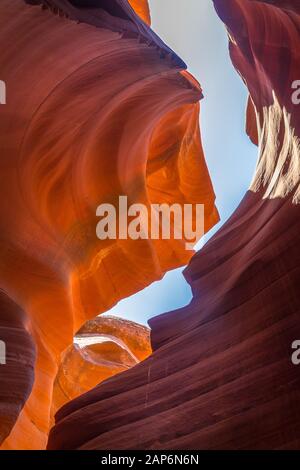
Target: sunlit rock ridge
x: 221, y: 375
x: 97, y: 106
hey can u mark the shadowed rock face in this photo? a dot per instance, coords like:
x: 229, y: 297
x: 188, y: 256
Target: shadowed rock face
x: 97, y: 107
x: 221, y: 374
x: 16, y: 364
x: 116, y: 15
x: 117, y: 8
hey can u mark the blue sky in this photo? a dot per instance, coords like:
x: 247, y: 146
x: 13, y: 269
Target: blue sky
x: 193, y: 30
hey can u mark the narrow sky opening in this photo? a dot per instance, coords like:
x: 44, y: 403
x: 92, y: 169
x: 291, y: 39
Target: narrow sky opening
x: 193, y: 30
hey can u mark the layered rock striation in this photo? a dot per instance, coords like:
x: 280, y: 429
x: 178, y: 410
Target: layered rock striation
x: 97, y: 107
x: 221, y: 374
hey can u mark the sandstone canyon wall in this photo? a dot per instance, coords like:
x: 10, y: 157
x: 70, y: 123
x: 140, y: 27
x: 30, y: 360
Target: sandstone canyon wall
x: 97, y: 106
x: 221, y: 374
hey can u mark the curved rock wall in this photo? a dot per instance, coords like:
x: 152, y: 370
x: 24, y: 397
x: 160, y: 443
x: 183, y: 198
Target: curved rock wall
x: 97, y: 106
x: 17, y: 357
x: 221, y: 375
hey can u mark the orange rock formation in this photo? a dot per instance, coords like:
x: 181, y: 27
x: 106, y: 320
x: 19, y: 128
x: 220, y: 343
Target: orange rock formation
x: 103, y: 347
x: 142, y: 9
x: 97, y: 107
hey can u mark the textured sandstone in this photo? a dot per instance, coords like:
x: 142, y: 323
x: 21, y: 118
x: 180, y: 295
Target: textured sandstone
x: 103, y: 347
x: 16, y: 375
x: 97, y: 107
x: 221, y: 374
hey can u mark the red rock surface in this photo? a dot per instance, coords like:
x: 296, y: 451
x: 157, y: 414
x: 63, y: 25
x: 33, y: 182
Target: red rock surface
x: 221, y: 374
x: 97, y: 106
x: 16, y: 365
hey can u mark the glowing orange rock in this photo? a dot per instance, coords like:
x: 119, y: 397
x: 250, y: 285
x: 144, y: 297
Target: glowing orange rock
x: 97, y: 107
x: 103, y: 347
x: 142, y: 9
